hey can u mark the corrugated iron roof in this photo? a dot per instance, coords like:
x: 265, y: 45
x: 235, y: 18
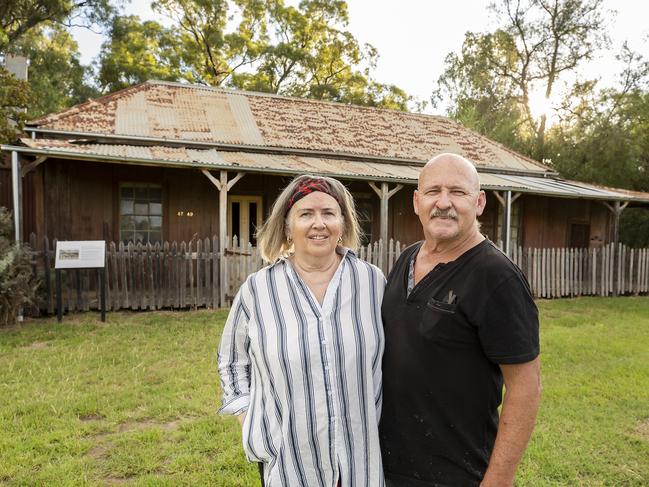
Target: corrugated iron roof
x: 297, y: 164
x: 203, y: 114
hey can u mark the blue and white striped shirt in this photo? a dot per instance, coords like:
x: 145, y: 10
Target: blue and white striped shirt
x: 309, y: 376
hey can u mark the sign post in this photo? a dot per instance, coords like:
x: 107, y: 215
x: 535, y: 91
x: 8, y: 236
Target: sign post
x: 80, y: 254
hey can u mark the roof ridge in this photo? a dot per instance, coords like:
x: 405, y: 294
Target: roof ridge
x: 298, y: 99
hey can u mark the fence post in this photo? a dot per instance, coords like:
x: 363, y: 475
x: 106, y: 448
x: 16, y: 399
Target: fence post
x: 48, y: 277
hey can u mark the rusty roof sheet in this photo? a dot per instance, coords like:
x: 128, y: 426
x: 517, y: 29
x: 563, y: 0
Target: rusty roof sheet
x: 203, y: 114
x: 299, y: 164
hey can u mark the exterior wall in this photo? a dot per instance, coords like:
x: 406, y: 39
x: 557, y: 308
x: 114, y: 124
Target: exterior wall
x: 404, y: 225
x: 80, y: 200
x: 490, y: 219
x: 547, y: 221
x: 32, y: 214
x: 5, y: 188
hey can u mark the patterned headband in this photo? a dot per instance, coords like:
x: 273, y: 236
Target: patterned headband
x: 308, y: 186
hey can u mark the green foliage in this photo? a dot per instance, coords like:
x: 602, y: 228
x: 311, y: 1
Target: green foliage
x: 489, y: 104
x: 56, y: 75
x: 634, y: 227
x: 138, y: 51
x: 134, y: 400
x: 605, y: 140
x: 606, y: 146
x: 491, y: 82
x: 256, y: 45
x: 17, y: 284
x: 15, y: 97
x: 37, y: 29
x: 19, y: 17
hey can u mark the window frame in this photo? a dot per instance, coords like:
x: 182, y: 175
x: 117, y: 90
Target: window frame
x: 149, y: 215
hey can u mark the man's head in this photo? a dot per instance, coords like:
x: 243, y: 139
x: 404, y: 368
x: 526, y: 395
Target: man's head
x: 448, y: 199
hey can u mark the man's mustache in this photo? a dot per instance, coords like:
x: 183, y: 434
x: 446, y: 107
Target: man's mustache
x: 437, y: 213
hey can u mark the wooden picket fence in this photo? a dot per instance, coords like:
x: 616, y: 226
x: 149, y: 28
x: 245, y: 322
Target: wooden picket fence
x: 159, y: 276
x: 186, y: 274
x: 244, y: 259
x: 372, y: 253
x: 569, y: 272
x: 138, y: 277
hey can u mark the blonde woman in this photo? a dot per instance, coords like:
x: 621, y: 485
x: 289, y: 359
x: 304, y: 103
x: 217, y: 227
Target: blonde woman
x: 300, y: 355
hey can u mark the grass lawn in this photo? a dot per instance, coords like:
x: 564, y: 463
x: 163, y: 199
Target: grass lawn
x: 133, y: 401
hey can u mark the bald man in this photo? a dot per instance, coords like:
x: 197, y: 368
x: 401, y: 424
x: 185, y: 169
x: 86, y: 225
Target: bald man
x: 459, y: 321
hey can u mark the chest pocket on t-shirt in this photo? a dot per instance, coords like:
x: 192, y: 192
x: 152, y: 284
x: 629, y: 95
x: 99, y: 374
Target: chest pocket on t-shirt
x: 436, y: 316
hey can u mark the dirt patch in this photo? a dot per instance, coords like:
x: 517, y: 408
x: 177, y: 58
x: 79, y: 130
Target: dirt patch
x: 114, y: 480
x: 642, y: 430
x: 38, y: 345
x: 171, y: 426
x: 146, y: 424
x: 97, y: 452
x: 91, y: 417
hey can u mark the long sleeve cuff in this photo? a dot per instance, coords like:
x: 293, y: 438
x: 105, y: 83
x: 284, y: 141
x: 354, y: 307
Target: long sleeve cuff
x: 235, y: 405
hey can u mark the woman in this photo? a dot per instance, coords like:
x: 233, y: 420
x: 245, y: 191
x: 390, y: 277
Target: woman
x: 300, y: 355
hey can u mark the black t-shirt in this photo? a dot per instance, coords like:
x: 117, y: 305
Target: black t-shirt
x: 442, y: 383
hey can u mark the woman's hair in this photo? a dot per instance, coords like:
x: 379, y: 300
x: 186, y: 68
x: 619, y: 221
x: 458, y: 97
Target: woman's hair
x: 272, y: 236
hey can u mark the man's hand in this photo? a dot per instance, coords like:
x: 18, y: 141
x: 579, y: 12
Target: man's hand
x: 521, y: 403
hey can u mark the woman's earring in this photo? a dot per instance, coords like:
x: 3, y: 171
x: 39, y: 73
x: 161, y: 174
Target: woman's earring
x: 289, y: 239
x: 340, y: 240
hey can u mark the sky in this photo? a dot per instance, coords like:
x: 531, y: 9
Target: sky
x: 414, y: 36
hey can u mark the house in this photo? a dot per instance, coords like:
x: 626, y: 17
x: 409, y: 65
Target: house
x: 168, y: 161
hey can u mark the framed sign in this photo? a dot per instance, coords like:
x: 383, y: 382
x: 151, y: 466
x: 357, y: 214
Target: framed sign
x: 80, y: 254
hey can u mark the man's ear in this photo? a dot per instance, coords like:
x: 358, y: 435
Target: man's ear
x: 415, y: 203
x: 481, y: 203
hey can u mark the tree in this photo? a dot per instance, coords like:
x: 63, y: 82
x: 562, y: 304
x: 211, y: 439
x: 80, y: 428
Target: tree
x: 311, y: 56
x: 137, y: 51
x: 249, y: 44
x: 604, y: 136
x: 56, y: 76
x: 36, y: 28
x: 539, y: 42
x: 15, y: 96
x: 604, y: 139
x: 19, y: 17
x: 481, y: 100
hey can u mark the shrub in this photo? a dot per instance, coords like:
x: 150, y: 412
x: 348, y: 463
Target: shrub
x: 18, y: 287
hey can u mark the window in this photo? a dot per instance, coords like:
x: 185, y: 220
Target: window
x: 140, y: 212
x: 244, y: 218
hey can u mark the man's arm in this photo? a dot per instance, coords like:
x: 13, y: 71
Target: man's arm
x: 521, y: 403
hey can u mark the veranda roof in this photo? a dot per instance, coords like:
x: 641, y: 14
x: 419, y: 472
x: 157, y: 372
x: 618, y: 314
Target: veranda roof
x: 293, y: 164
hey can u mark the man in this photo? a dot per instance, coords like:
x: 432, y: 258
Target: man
x: 459, y: 319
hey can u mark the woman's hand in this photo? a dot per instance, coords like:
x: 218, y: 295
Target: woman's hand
x: 241, y: 418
